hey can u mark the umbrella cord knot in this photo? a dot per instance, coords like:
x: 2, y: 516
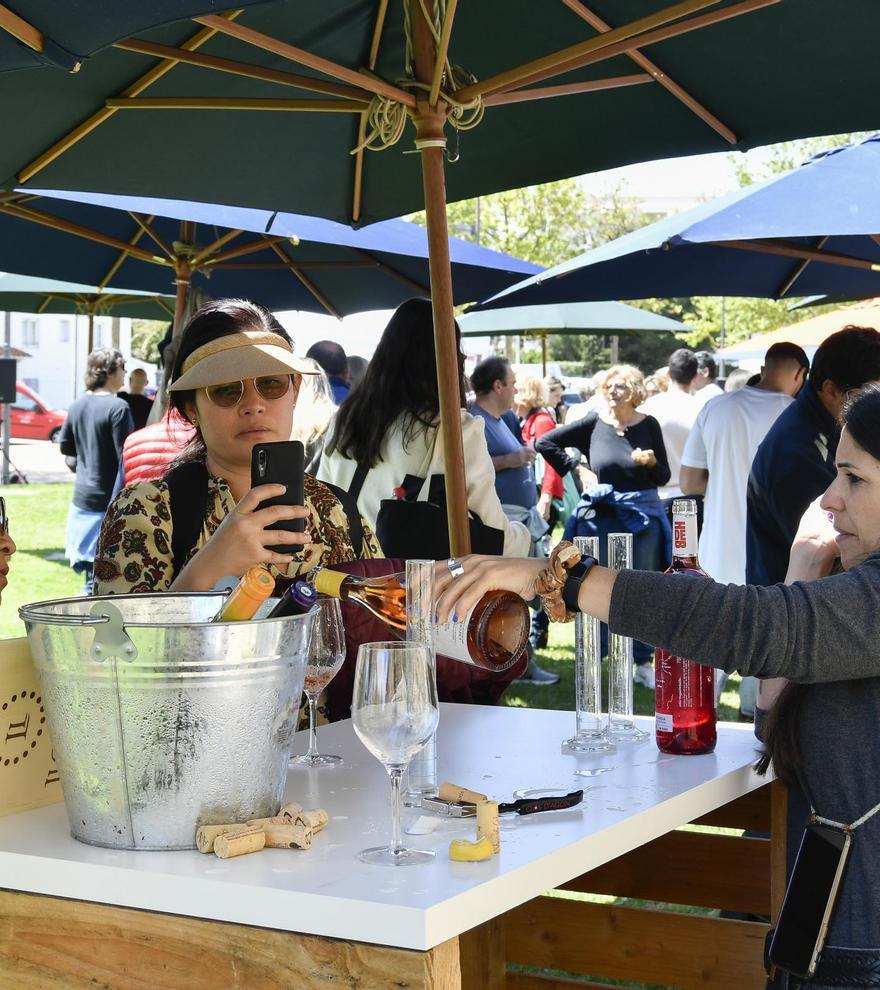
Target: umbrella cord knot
x: 386, y: 118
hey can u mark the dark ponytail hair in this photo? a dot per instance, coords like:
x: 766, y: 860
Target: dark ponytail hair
x: 400, y: 382
x: 861, y: 418
x: 217, y: 318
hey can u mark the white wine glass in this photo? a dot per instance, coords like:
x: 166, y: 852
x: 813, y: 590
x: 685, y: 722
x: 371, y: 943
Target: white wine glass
x: 326, y: 654
x: 394, y: 712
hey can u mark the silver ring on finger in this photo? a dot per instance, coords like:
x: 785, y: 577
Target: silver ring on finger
x: 455, y: 567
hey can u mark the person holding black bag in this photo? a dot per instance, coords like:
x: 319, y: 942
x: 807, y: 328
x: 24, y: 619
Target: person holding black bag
x: 386, y: 450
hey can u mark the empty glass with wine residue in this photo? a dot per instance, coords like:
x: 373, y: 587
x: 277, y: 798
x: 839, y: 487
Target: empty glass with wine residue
x: 326, y: 654
x: 394, y: 713
x: 620, y: 656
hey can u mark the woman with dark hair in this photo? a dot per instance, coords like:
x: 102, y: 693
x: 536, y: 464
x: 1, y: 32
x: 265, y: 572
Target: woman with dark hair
x: 91, y: 440
x: 390, y: 424
x: 820, y: 630
x: 236, y: 380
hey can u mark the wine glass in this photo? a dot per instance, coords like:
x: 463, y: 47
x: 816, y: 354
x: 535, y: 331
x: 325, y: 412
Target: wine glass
x: 394, y: 712
x: 326, y: 653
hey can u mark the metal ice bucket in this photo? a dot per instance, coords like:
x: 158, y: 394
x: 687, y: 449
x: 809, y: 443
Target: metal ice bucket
x: 163, y: 720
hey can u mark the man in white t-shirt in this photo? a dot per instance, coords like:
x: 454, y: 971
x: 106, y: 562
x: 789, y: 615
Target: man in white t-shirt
x: 675, y: 410
x: 703, y: 387
x: 718, y: 457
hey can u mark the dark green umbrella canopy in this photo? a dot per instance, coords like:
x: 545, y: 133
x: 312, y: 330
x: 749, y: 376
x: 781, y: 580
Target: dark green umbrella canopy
x: 778, y: 69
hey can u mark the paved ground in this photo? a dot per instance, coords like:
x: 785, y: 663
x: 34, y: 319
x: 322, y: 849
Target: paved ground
x: 38, y: 460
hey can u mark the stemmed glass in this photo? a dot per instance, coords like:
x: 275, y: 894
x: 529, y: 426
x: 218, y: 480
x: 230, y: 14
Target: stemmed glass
x: 326, y: 653
x: 394, y: 713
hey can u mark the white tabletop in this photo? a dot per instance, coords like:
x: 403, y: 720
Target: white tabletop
x: 327, y: 891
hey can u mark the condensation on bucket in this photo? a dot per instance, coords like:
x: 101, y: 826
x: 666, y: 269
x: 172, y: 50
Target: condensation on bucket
x: 196, y: 730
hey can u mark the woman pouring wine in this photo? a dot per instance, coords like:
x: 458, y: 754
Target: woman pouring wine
x: 818, y: 630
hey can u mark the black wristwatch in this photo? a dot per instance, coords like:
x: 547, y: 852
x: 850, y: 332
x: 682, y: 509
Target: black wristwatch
x: 574, y: 579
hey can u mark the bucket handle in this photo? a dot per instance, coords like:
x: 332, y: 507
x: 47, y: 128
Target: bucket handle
x: 111, y: 639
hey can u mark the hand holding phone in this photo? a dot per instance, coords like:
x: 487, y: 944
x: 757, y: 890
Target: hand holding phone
x: 281, y: 463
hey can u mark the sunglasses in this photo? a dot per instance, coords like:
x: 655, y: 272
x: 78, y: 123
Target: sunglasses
x: 4, y: 519
x: 269, y: 387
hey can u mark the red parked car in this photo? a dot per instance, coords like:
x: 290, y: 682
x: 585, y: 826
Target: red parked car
x: 32, y: 419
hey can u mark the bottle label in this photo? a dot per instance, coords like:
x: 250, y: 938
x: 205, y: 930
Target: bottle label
x: 450, y: 639
x: 684, y: 536
x: 663, y: 722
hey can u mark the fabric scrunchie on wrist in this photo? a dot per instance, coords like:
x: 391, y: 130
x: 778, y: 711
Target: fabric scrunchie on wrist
x: 550, y: 582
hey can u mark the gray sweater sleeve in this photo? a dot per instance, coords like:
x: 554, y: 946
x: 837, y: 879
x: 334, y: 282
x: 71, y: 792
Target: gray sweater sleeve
x: 826, y: 630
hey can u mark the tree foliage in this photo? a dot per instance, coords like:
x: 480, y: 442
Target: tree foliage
x: 145, y: 338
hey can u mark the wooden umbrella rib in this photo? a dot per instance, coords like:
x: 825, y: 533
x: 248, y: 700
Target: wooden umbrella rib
x: 146, y: 227
x: 793, y: 251
x: 234, y: 103
x: 98, y: 118
x: 625, y: 32
x: 661, y: 77
x: 212, y: 248
x: 357, y: 188
x: 241, y: 68
x: 442, y: 52
x: 797, y: 271
x: 114, y: 268
x: 19, y: 28
x: 237, y: 252
x: 649, y: 38
x: 56, y: 223
x: 302, y: 57
x: 389, y: 270
x: 569, y: 89
x: 315, y: 291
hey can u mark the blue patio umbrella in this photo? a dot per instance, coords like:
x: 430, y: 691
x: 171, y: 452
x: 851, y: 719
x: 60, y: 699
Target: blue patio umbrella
x: 813, y: 230
x: 282, y: 260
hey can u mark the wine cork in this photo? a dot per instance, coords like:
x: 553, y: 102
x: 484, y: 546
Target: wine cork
x: 487, y: 824
x: 206, y: 834
x: 233, y: 844
x: 274, y: 820
x: 455, y: 792
x: 315, y: 819
x: 288, y: 836
x: 290, y: 810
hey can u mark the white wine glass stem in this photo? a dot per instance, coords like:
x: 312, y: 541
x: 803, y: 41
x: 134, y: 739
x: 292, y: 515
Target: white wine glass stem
x: 396, y: 775
x: 313, y: 726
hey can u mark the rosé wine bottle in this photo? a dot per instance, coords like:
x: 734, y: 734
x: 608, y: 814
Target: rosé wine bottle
x: 685, y: 721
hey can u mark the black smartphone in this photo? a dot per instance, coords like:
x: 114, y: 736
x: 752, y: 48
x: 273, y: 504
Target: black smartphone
x: 281, y: 463
x: 809, y: 899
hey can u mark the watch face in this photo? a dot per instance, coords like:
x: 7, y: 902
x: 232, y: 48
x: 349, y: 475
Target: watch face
x: 22, y: 727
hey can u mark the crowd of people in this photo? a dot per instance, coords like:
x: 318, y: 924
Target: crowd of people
x: 785, y: 462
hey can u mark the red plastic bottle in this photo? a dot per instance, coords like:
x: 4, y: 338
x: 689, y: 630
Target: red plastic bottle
x: 685, y: 721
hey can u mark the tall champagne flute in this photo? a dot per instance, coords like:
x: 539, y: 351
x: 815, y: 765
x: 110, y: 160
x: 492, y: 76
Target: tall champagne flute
x: 326, y: 653
x: 394, y: 713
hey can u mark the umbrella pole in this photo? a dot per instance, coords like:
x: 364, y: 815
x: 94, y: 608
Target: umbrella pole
x: 544, y: 355
x: 91, y: 337
x: 429, y: 125
x: 431, y: 143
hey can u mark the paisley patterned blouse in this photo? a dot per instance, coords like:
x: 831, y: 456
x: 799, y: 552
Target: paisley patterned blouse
x: 134, y: 548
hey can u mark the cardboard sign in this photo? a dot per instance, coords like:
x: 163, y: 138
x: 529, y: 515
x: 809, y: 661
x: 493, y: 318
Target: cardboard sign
x: 28, y: 772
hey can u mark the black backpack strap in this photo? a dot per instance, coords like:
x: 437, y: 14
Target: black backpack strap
x: 187, y: 498
x: 352, y: 513
x: 357, y: 481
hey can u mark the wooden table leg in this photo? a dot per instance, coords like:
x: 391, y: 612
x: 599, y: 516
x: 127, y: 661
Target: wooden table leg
x: 48, y: 943
x: 778, y: 845
x: 484, y: 957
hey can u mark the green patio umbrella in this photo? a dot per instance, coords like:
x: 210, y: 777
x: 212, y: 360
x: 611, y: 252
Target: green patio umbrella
x: 24, y: 294
x: 277, y: 105
x: 566, y: 318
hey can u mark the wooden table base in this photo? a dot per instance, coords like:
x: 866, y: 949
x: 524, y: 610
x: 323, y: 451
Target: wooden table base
x: 49, y: 943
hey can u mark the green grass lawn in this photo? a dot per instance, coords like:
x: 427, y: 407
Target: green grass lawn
x: 39, y: 570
